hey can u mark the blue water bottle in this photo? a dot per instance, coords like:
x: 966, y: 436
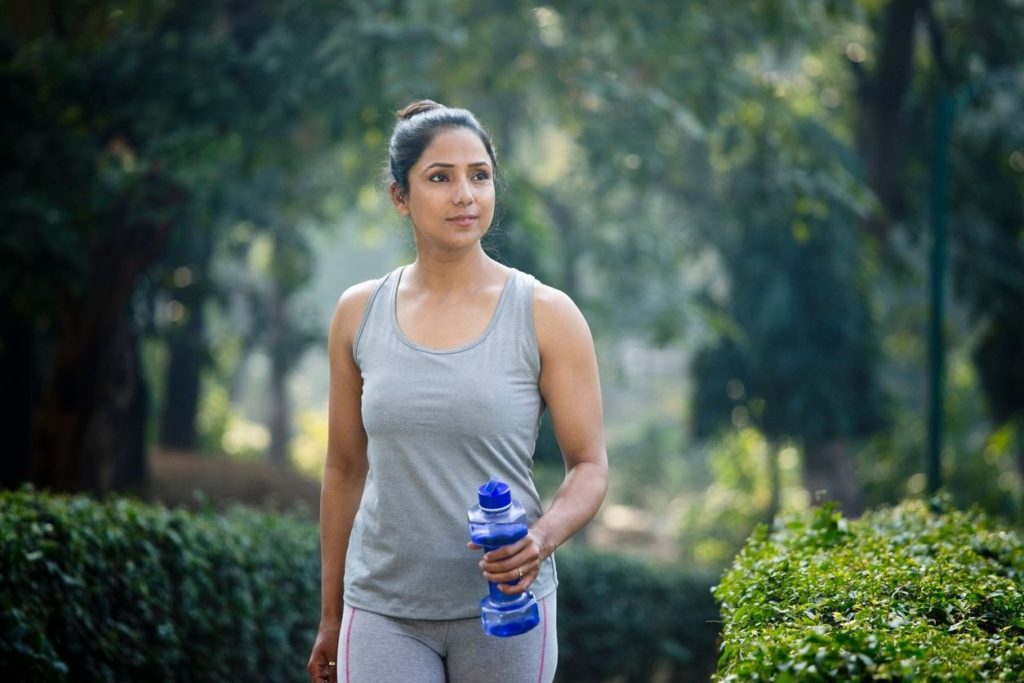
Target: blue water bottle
x: 495, y: 521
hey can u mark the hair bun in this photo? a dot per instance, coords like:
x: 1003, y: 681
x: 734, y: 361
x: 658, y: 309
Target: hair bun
x: 417, y: 107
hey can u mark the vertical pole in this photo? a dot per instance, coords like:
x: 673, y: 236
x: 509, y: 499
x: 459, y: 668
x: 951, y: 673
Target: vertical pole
x: 936, y: 342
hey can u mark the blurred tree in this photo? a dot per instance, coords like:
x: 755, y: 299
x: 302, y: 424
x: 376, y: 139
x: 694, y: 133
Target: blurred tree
x: 800, y: 337
x: 974, y: 55
x: 83, y: 218
x: 989, y: 266
x: 653, y: 150
x: 883, y: 85
x: 986, y: 72
x: 188, y: 286
x: 703, y: 128
x: 123, y: 114
x: 659, y: 109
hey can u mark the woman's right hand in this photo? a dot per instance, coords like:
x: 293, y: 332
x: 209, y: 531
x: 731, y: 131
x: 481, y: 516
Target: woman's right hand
x: 323, y: 661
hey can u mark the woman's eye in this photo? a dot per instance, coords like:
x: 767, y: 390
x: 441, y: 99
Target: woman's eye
x: 479, y: 176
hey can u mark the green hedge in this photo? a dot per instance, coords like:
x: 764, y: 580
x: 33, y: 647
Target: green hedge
x: 901, y: 594
x: 624, y: 620
x: 125, y: 591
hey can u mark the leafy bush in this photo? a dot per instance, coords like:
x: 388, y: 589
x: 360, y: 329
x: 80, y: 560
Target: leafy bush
x: 126, y: 591
x: 900, y: 594
x: 621, y: 619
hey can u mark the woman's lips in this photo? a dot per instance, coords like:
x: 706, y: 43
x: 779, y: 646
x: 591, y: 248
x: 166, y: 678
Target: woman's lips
x: 464, y: 220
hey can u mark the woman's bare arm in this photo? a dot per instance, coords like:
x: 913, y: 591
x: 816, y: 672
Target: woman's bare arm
x: 571, y: 388
x: 344, y: 474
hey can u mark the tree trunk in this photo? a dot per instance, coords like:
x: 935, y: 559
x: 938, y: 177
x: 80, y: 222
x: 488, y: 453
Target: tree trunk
x: 115, y: 437
x: 881, y: 95
x: 177, y: 419
x: 1020, y: 455
x: 564, y: 221
x: 279, y: 366
x: 87, y: 432
x: 17, y: 395
x: 774, y: 480
x: 181, y: 397
x: 279, y: 415
x: 1020, y: 452
x: 1000, y: 365
x: 829, y: 475
x: 91, y: 423
x: 187, y: 346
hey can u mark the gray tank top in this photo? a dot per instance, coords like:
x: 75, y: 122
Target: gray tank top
x: 440, y: 423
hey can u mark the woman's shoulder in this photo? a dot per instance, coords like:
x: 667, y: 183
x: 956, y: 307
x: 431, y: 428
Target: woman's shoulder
x: 351, y: 306
x: 551, y: 301
x: 353, y: 300
x: 557, y: 318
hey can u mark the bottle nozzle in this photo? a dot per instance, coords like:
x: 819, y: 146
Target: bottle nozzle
x: 490, y: 487
x: 494, y: 495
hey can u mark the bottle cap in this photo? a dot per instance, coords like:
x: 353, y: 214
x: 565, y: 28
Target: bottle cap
x: 494, y: 496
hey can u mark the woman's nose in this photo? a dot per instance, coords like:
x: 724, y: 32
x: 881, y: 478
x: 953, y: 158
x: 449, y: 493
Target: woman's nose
x: 462, y: 193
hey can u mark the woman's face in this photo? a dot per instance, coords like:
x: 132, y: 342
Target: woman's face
x: 450, y: 198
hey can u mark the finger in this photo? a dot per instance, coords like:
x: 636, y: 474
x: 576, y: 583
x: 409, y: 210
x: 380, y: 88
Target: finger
x: 326, y: 674
x: 512, y: 575
x: 315, y: 669
x: 320, y: 669
x: 521, y: 585
x: 474, y: 546
x: 506, y: 551
x: 524, y: 557
x: 524, y: 548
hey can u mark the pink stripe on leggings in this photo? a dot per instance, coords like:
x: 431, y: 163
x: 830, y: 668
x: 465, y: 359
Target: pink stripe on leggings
x: 544, y: 637
x: 348, y: 643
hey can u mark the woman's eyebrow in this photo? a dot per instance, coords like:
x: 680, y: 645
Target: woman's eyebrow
x: 442, y: 164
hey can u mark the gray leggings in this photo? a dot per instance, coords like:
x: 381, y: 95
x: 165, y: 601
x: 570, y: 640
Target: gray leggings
x: 378, y: 649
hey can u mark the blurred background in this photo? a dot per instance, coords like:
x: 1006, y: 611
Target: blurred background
x: 795, y: 227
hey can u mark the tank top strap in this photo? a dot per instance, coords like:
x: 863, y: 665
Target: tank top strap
x: 376, y: 322
x: 517, y: 319
x: 520, y: 297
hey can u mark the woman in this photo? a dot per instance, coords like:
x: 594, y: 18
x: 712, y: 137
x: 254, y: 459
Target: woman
x: 439, y: 374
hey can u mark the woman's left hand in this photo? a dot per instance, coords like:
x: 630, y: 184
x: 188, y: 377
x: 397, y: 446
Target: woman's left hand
x: 519, y: 561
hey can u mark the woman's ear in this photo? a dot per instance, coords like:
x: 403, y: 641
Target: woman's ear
x: 398, y: 198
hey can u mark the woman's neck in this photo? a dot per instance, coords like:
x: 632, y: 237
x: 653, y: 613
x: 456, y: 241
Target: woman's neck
x: 469, y: 271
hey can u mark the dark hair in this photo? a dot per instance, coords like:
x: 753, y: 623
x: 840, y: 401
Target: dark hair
x: 418, y: 124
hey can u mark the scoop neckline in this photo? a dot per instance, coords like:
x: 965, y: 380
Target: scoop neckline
x: 455, y: 349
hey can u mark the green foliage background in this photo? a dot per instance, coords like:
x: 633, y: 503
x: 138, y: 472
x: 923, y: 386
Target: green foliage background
x: 737, y: 194
x: 122, y: 590
x: 125, y: 591
x: 903, y: 593
x: 744, y: 185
